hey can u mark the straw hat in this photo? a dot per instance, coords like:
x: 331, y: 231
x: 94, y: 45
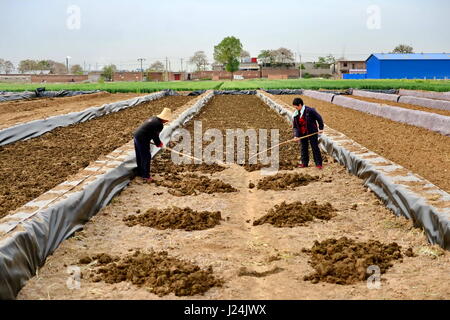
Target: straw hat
x: 166, y: 114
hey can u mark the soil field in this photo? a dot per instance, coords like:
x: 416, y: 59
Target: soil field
x: 417, y: 149
x: 20, y: 111
x: 29, y: 168
x: 231, y: 258
x: 404, y: 105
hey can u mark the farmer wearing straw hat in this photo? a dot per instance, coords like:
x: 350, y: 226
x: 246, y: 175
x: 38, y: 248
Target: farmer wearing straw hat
x: 148, y: 131
x: 306, y: 120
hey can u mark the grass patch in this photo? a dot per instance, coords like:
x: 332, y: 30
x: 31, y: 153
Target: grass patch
x: 313, y: 84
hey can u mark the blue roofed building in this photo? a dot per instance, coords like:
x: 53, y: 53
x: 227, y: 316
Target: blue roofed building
x: 407, y: 66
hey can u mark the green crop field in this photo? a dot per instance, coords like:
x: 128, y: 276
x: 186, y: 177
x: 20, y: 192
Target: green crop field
x: 430, y: 85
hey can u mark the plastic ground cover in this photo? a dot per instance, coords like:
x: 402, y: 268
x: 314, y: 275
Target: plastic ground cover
x: 26, y: 239
x: 37, y: 128
x: 425, y: 94
x: 11, y: 96
x: 428, y: 120
x: 423, y: 99
x: 397, y: 196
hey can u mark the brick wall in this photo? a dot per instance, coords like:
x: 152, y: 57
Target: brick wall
x: 15, y: 78
x: 127, y: 76
x: 58, y: 78
x: 225, y: 75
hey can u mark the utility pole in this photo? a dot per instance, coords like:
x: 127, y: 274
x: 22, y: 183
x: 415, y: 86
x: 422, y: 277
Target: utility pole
x: 181, y: 64
x: 300, y: 59
x: 167, y: 69
x: 142, y: 70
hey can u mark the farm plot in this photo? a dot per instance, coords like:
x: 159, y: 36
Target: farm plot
x: 403, y: 105
x: 20, y: 111
x: 419, y: 150
x: 246, y: 244
x: 29, y: 168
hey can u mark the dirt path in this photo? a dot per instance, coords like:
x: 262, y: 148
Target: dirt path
x: 14, y: 112
x: 29, y: 168
x: 403, y: 105
x: 255, y: 262
x: 419, y: 150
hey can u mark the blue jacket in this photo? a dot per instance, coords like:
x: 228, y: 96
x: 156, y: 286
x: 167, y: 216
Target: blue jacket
x: 312, y: 119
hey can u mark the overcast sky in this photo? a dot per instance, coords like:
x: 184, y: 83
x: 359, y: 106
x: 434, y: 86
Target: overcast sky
x: 120, y: 31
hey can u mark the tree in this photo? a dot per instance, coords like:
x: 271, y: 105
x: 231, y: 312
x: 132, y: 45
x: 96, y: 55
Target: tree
x: 108, y: 72
x: 403, y: 48
x: 325, y: 62
x: 244, y: 54
x: 156, y: 66
x: 57, y: 67
x: 8, y: 67
x: 283, y: 55
x: 27, y: 65
x: 228, y: 52
x: 200, y: 60
x: 267, y: 57
x: 76, y: 69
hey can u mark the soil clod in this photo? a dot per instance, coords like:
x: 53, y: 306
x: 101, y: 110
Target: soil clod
x: 250, y: 273
x: 192, y: 184
x: 345, y: 261
x: 175, y: 218
x: 159, y: 273
x: 296, y: 214
x: 285, y: 181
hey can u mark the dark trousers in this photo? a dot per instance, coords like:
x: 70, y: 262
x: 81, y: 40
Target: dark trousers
x: 314, y: 141
x: 143, y: 157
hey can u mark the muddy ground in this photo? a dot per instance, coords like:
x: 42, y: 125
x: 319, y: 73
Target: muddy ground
x: 404, y: 105
x: 19, y: 111
x: 255, y: 262
x: 29, y: 168
x: 422, y: 151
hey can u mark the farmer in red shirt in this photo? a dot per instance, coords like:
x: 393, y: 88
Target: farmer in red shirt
x: 307, y: 121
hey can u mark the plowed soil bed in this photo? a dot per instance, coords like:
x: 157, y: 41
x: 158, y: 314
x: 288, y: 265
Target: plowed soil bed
x: 419, y: 150
x: 403, y: 105
x: 254, y: 262
x: 20, y: 111
x: 29, y: 168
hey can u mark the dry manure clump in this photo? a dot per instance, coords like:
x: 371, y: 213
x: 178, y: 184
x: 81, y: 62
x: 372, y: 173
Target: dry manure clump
x: 158, y: 273
x: 164, y: 164
x: 296, y: 214
x: 192, y: 184
x: 345, y: 261
x: 285, y: 181
x: 175, y: 218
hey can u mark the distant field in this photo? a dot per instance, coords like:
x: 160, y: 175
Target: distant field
x: 430, y: 85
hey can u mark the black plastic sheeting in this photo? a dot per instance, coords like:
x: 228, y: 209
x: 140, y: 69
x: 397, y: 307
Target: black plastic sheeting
x: 285, y: 91
x: 338, y: 92
x: 196, y: 93
x: 387, y: 91
x: 401, y: 201
x: 234, y: 92
x: 37, y: 128
x: 39, y: 93
x: 25, y: 251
